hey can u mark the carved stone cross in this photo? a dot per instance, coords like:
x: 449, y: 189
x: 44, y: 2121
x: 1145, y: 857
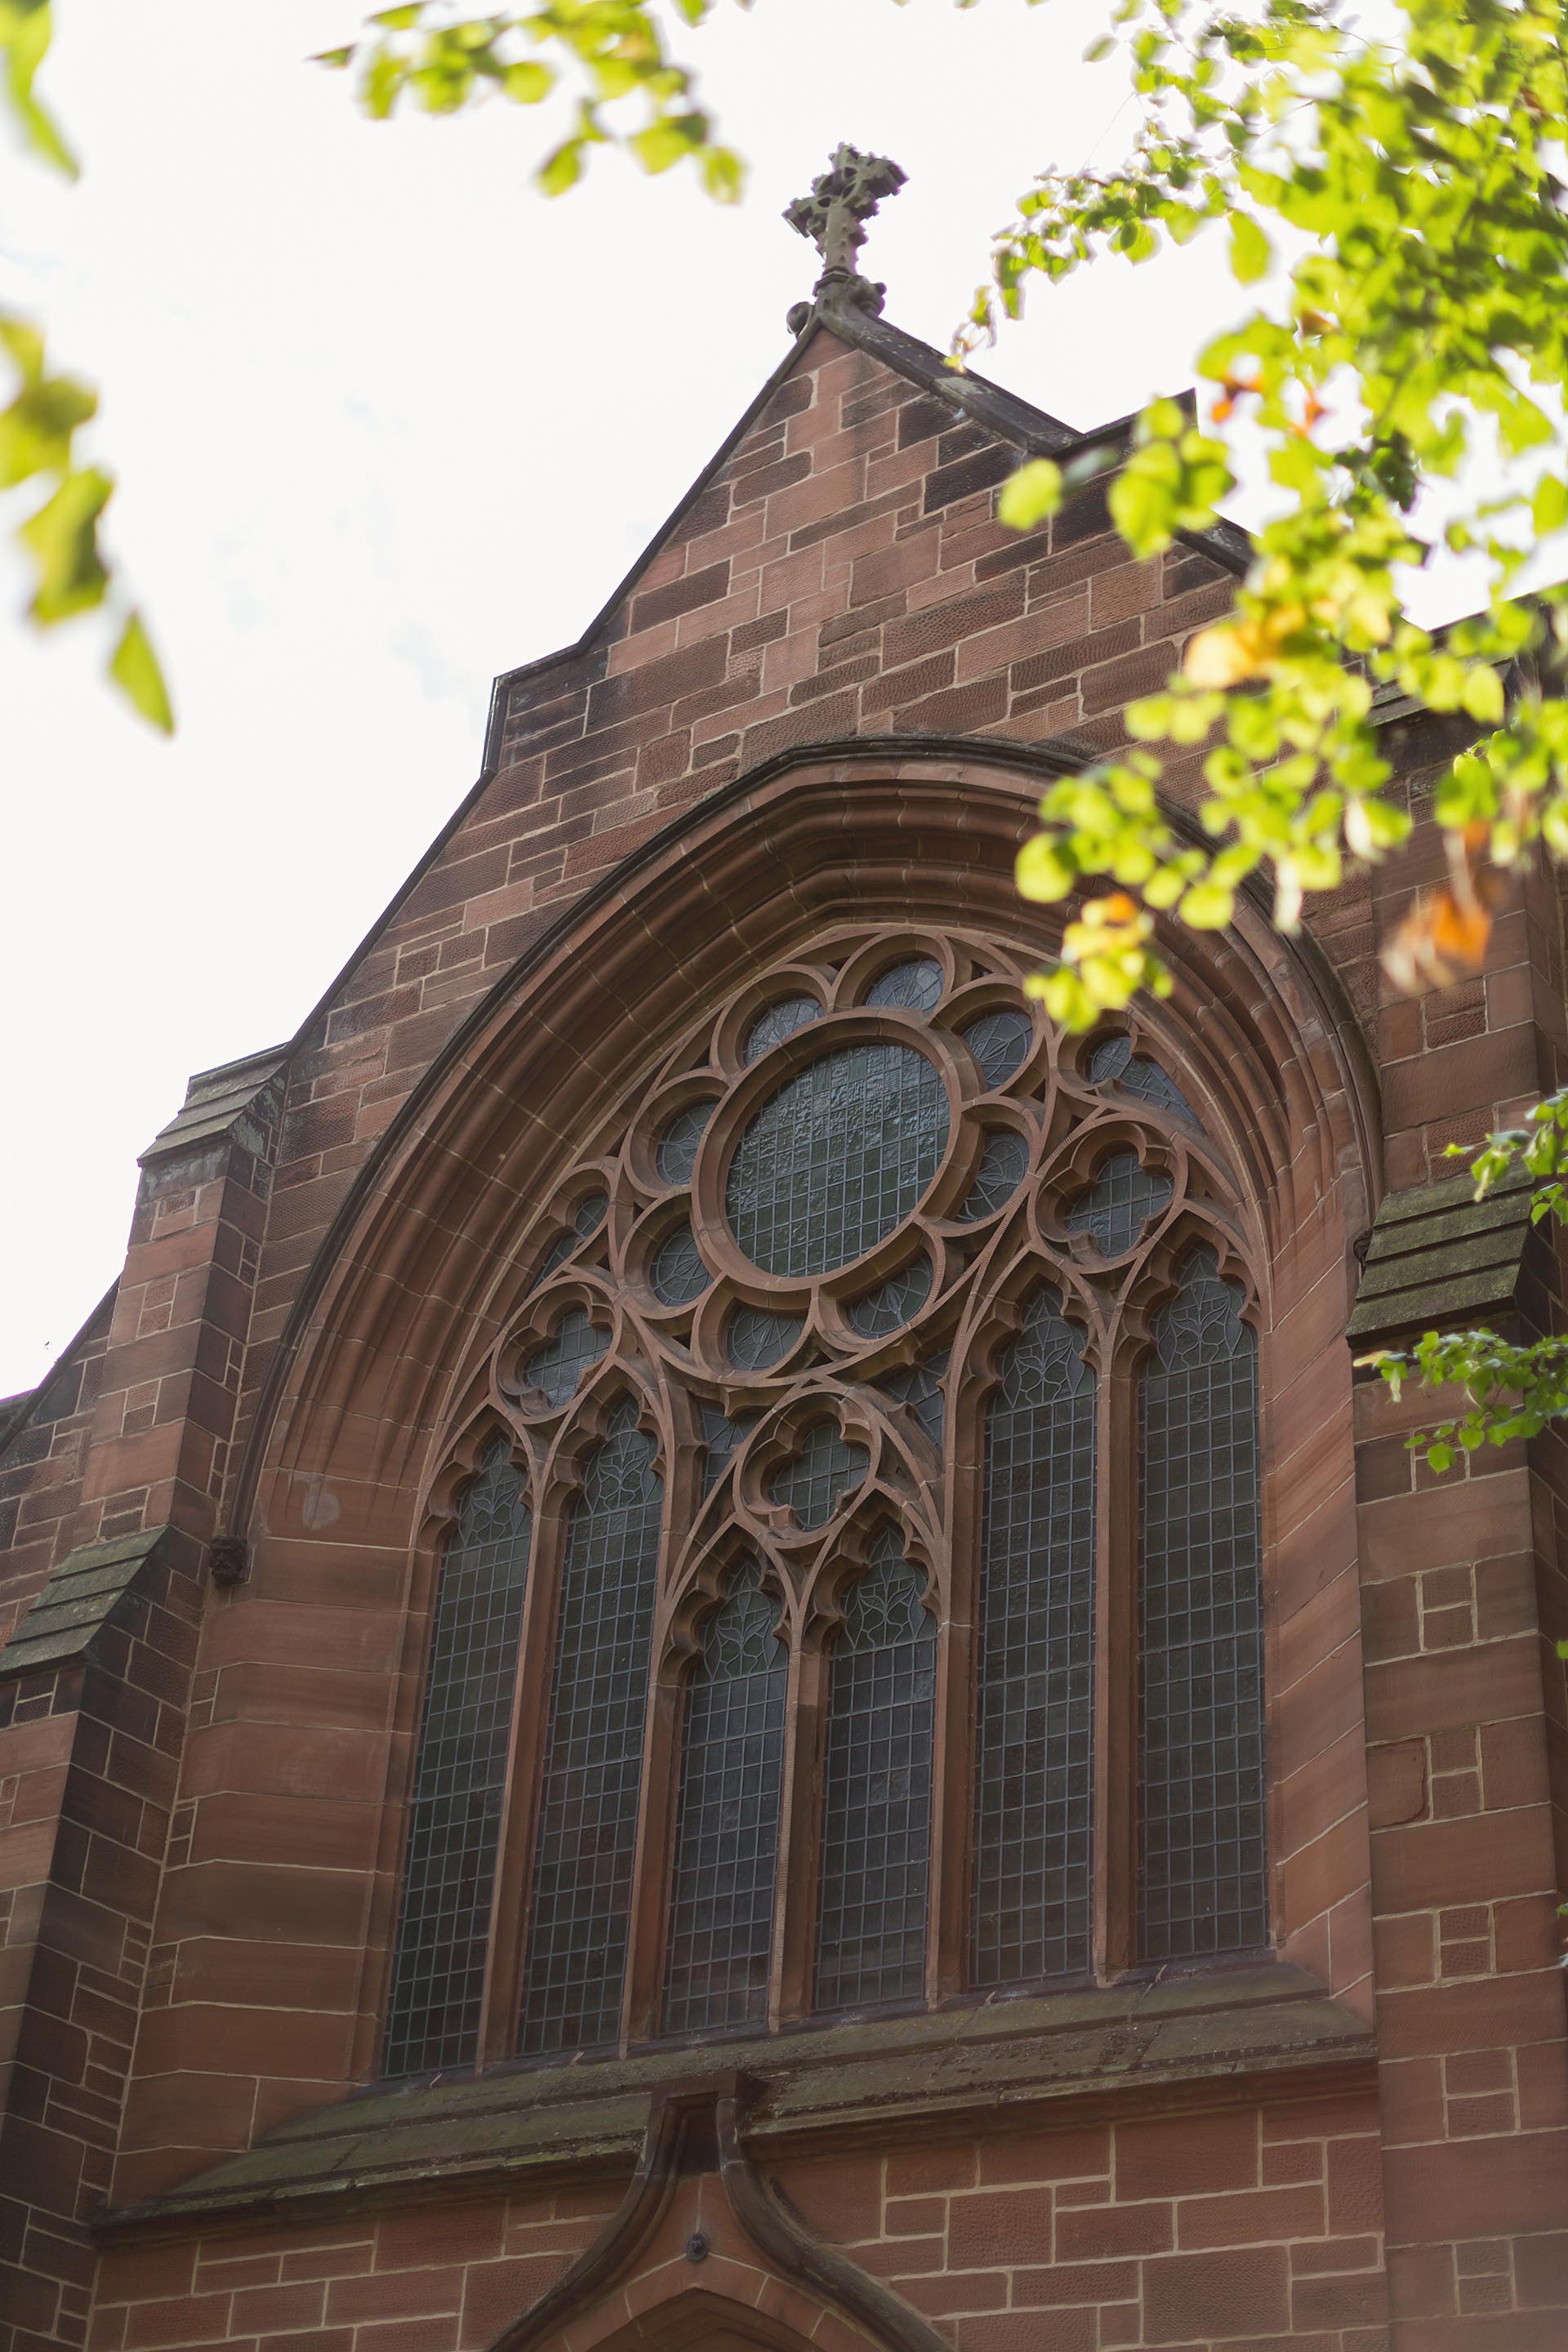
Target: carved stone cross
x: 833, y: 216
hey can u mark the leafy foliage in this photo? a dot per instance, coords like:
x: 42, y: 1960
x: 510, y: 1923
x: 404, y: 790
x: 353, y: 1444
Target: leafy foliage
x: 611, y: 49
x: 1420, y: 325
x: 1397, y: 199
x: 38, y: 427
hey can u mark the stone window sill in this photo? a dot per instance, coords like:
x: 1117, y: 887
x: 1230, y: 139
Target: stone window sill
x: 1271, y: 2026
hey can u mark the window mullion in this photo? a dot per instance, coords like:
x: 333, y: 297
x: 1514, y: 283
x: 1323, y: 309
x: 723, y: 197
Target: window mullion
x: 948, y: 1959
x: 655, y: 1852
x: 525, y: 1772
x: 1116, y: 1672
x: 800, y: 1834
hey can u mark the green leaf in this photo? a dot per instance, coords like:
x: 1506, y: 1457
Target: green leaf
x: 1044, y: 871
x: 1250, y: 253
x: 1207, y: 906
x: 62, y: 538
x: 528, y: 81
x: 401, y: 19
x: 1549, y: 507
x: 26, y: 28
x: 25, y: 344
x: 668, y: 140
x: 1482, y: 696
x: 1031, y: 494
x: 135, y: 669
x: 562, y: 169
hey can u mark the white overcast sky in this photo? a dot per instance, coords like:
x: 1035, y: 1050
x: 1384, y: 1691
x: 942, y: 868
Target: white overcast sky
x: 387, y: 423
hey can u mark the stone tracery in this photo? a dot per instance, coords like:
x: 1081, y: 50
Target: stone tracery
x: 806, y: 1350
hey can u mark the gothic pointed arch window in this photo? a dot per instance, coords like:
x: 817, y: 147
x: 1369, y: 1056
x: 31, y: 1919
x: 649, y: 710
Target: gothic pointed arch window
x: 864, y: 1604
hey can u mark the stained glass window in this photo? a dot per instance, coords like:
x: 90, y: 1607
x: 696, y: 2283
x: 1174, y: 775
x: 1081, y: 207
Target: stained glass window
x: 999, y: 1042
x: 836, y: 1158
x: 677, y: 1154
x: 727, y: 1818
x: 1035, y: 1662
x: 459, y: 1778
x: 1114, y: 1063
x: 556, y: 1367
x: 1124, y: 1198
x: 720, y: 1435
x: 757, y: 1338
x: 1203, y: 1884
x: 779, y: 1022
x: 587, y: 1217
x: 815, y: 1481
x: 834, y: 1155
x: 593, y: 1769
x: 676, y: 1274
x: 876, y: 1791
x: 919, y: 1388
x: 998, y: 1177
x: 889, y: 1307
x: 917, y: 985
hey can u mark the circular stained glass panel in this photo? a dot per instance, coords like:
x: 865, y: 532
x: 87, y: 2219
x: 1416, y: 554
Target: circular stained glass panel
x: 836, y: 1158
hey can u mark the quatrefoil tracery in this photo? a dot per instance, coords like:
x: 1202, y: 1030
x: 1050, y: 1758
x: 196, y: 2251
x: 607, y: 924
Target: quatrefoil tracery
x: 1077, y: 1164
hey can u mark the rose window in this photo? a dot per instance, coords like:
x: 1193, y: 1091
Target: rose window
x: 777, y: 1653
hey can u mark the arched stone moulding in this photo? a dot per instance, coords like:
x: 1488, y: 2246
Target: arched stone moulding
x: 702, y: 2251
x: 890, y: 852
x: 922, y: 839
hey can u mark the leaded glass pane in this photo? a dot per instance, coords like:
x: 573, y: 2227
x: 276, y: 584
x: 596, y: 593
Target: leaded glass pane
x: 1113, y: 1062
x: 756, y: 1337
x: 998, y: 1177
x: 827, y: 1467
x: 588, y: 1216
x: 720, y: 1435
x: 678, y: 1274
x: 727, y: 1819
x: 1203, y: 1880
x: 836, y: 1158
x: 876, y: 1791
x: 919, y: 1388
x: 1035, y: 1660
x: 593, y: 1770
x: 917, y: 985
x: 557, y: 1366
x: 1122, y: 1200
x: 1108, y: 1060
x: 459, y: 1778
x: 779, y: 1022
x: 889, y: 1307
x: 999, y: 1042
x: 676, y: 1155
x: 1152, y: 1085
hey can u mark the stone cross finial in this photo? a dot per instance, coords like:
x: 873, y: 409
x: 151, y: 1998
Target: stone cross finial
x: 842, y: 200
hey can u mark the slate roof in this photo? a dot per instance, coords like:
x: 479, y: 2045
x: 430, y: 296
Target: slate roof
x: 80, y: 1599
x: 217, y: 1103
x: 1437, y: 1255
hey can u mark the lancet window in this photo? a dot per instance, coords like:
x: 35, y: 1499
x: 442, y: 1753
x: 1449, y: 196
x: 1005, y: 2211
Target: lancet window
x: 852, y: 1595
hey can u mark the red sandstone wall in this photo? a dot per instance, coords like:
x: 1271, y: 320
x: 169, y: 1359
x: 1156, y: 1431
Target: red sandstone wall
x: 846, y: 575
x: 1227, y: 2228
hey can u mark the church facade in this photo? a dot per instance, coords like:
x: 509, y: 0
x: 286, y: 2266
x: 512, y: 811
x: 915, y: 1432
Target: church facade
x: 715, y: 1646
